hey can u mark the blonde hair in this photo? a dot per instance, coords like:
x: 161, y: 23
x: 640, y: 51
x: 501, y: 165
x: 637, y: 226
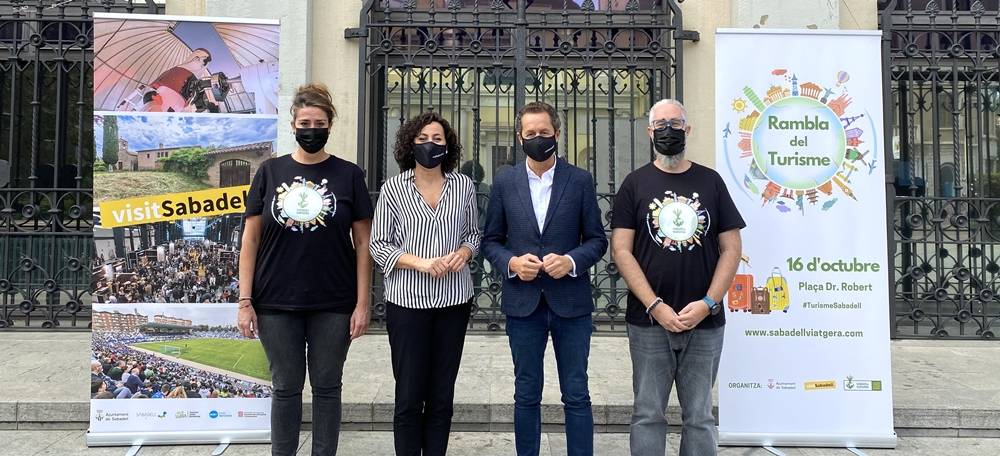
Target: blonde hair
x: 177, y: 393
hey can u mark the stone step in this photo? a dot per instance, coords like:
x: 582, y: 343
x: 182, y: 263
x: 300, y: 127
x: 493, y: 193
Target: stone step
x: 940, y: 388
x: 471, y: 417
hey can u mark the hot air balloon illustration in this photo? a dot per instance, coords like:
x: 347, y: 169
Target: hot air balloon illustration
x: 842, y: 77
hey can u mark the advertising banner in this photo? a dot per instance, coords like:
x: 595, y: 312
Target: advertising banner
x: 185, y: 111
x: 801, y: 147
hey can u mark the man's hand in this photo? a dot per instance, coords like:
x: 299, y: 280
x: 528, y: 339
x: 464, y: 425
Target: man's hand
x: 557, y: 266
x: 246, y: 321
x: 667, y: 318
x: 455, y: 261
x: 693, y: 313
x: 360, y: 320
x: 526, y: 266
x: 434, y: 266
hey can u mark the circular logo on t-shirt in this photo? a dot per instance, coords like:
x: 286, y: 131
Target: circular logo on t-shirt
x: 678, y: 221
x: 303, y: 204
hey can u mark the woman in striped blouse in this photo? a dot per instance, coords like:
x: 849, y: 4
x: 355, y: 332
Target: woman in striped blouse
x: 424, y: 232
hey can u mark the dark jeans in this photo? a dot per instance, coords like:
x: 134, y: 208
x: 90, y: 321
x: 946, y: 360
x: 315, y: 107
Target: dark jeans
x: 571, y: 342
x: 284, y: 336
x: 426, y: 347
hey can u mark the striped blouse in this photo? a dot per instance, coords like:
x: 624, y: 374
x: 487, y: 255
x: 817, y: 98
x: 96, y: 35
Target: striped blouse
x: 404, y: 223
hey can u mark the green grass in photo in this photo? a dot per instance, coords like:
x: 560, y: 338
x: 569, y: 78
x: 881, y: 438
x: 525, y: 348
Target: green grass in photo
x: 137, y: 184
x: 241, y: 356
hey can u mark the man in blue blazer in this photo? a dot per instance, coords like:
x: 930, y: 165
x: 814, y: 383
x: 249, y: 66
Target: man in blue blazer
x: 543, y: 229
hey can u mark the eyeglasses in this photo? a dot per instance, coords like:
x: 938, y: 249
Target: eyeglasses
x: 662, y: 124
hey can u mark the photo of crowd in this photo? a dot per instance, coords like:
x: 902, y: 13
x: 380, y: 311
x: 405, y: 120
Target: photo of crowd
x: 181, y: 352
x: 121, y: 372
x: 179, y: 272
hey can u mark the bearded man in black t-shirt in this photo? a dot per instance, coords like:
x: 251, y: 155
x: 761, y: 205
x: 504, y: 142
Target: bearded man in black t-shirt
x: 676, y: 239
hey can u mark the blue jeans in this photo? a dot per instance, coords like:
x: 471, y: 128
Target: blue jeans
x: 660, y: 358
x: 571, y: 341
x: 284, y: 336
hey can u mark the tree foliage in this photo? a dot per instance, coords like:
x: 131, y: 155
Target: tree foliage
x: 193, y: 161
x: 110, y: 154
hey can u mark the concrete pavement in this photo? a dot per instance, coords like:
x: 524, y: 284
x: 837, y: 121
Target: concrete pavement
x: 72, y: 443
x: 940, y: 388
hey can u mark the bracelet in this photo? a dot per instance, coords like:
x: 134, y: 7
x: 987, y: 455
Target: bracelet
x: 245, y: 306
x: 246, y: 298
x: 655, y: 303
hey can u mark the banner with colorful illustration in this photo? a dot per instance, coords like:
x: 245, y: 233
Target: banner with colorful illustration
x: 801, y: 147
x: 185, y: 111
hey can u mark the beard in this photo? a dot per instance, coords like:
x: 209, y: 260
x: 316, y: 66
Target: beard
x: 670, y: 161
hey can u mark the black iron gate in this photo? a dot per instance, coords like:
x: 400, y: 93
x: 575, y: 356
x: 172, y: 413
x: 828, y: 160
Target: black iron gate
x: 942, y: 76
x: 601, y: 63
x: 47, y: 158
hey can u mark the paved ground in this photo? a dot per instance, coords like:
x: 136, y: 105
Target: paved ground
x: 368, y: 443
x: 946, y: 397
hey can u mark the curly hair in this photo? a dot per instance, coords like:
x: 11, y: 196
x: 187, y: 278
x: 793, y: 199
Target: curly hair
x: 403, y: 149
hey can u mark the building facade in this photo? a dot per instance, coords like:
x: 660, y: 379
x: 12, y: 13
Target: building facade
x: 119, y: 322
x: 168, y: 320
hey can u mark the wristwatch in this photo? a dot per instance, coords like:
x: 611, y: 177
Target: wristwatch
x: 713, y: 306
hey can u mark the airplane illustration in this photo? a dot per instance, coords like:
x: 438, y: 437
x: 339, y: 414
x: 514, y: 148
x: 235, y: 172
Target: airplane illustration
x: 855, y: 155
x: 726, y: 132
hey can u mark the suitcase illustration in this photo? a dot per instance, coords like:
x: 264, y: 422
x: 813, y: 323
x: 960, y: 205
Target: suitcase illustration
x: 739, y: 293
x: 777, y: 288
x: 760, y: 301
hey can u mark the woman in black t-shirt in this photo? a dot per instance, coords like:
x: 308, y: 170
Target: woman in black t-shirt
x: 305, y: 272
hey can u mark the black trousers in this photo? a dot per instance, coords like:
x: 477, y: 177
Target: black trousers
x: 426, y: 346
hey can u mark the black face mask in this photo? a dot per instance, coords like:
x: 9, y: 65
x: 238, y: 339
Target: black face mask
x: 539, y: 148
x: 429, y: 154
x: 312, y: 140
x: 669, y: 142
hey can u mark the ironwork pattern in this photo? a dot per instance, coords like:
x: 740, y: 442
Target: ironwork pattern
x: 478, y: 62
x: 942, y: 92
x: 46, y: 140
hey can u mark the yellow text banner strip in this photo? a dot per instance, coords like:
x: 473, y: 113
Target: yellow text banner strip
x: 174, y: 206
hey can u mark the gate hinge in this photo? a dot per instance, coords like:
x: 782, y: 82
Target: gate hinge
x: 355, y: 33
x: 690, y: 35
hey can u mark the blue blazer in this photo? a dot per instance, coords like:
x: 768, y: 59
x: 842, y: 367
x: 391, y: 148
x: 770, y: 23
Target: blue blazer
x: 572, y: 227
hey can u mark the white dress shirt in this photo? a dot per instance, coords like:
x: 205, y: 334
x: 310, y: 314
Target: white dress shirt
x: 540, y: 188
x: 541, y: 193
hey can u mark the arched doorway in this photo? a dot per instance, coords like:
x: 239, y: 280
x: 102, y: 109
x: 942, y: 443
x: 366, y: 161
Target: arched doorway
x: 234, y: 172
x: 947, y: 176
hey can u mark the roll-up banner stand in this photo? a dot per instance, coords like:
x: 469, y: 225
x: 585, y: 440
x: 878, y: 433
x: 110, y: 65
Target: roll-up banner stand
x: 800, y: 143
x: 184, y: 114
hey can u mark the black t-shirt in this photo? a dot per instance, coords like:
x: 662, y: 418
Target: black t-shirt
x: 306, y: 259
x: 677, y: 219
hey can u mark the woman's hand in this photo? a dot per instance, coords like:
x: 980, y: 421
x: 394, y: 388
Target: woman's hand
x: 360, y: 320
x: 246, y: 320
x: 436, y: 267
x: 456, y: 260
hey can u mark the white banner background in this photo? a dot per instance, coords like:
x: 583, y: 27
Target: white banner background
x: 810, y: 366
x: 179, y: 415
x: 139, y: 60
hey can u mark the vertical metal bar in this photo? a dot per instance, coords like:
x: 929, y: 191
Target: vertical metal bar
x: 363, y: 84
x: 887, y: 118
x: 520, y: 64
